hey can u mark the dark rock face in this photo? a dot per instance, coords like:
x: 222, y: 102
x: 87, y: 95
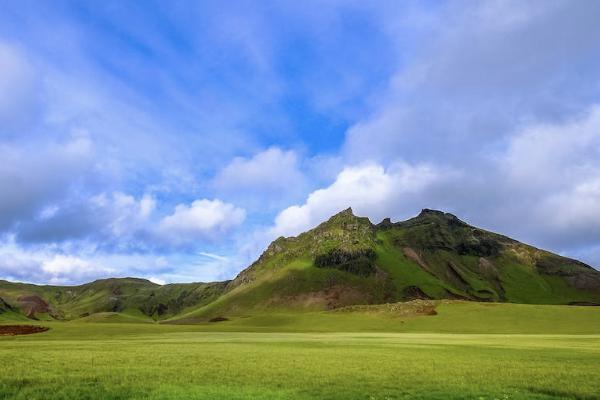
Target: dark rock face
x: 386, y: 223
x: 4, y: 306
x: 414, y: 293
x: 359, y: 262
x: 117, y: 305
x: 481, y: 246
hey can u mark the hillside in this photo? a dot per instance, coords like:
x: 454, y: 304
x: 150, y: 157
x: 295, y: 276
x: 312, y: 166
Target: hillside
x: 348, y: 260
x: 130, y: 296
x: 344, y: 261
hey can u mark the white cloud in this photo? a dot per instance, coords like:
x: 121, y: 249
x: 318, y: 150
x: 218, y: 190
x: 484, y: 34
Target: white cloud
x: 31, y: 177
x: 483, y: 71
x: 551, y: 156
x: 156, y: 280
x: 272, y: 168
x: 371, y: 190
x: 48, y: 264
x: 124, y: 214
x: 202, y: 219
x: 213, y: 256
x: 68, y: 265
x: 575, y: 210
x: 269, y: 177
x: 121, y: 222
x: 111, y: 219
x: 555, y: 171
x: 67, y: 268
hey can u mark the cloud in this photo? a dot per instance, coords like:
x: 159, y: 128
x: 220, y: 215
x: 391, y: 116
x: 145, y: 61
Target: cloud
x: 33, y: 176
x: 487, y: 69
x: 270, y: 177
x: 202, y: 219
x: 553, y: 156
x: 111, y: 220
x: 371, y: 190
x: 156, y: 280
x: 47, y: 265
x: 124, y: 213
x: 120, y: 222
x: 555, y: 169
x: 61, y: 267
x: 213, y: 256
x: 50, y: 264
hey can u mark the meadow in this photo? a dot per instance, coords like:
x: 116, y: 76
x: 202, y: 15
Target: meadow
x: 467, y: 351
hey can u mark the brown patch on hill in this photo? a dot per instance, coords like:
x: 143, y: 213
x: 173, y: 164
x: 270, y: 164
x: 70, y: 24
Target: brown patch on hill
x: 414, y: 256
x: 412, y: 308
x: 330, y: 298
x: 14, y: 330
x: 33, y: 304
x: 490, y: 272
x: 585, y: 281
x: 454, y: 275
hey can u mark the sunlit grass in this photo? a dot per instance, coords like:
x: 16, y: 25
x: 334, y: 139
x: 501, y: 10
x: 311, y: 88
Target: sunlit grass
x: 139, y: 361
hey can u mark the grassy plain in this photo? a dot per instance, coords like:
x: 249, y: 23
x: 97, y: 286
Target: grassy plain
x: 467, y: 351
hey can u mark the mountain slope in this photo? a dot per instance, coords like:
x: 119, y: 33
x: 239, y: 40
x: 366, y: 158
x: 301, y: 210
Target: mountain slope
x: 132, y: 296
x: 348, y: 260
x: 344, y: 261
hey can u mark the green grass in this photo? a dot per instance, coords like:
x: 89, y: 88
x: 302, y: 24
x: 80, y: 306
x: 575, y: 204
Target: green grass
x: 467, y: 351
x: 404, y: 272
x: 453, y: 317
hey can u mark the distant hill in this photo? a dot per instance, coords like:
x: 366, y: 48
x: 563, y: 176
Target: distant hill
x: 345, y: 261
x: 131, y: 296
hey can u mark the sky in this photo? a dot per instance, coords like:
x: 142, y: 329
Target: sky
x: 174, y: 140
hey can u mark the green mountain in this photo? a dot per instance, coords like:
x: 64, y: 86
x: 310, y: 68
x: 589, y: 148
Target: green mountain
x: 345, y: 261
x: 132, y: 297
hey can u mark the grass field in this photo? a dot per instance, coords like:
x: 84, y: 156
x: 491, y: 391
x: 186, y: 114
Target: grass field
x: 467, y: 351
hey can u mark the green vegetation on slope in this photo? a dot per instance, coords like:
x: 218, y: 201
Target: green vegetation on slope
x: 129, y: 296
x: 347, y: 260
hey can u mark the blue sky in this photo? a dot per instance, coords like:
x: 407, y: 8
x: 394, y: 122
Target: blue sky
x: 175, y: 140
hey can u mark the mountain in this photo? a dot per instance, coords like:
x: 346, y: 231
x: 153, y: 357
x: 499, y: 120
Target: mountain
x: 136, y: 298
x: 344, y: 261
x: 348, y: 260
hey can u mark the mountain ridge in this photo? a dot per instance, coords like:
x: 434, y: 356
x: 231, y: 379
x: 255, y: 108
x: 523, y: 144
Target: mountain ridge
x: 346, y: 260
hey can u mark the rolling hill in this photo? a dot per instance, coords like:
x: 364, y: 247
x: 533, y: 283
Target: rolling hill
x: 132, y: 297
x: 344, y: 261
